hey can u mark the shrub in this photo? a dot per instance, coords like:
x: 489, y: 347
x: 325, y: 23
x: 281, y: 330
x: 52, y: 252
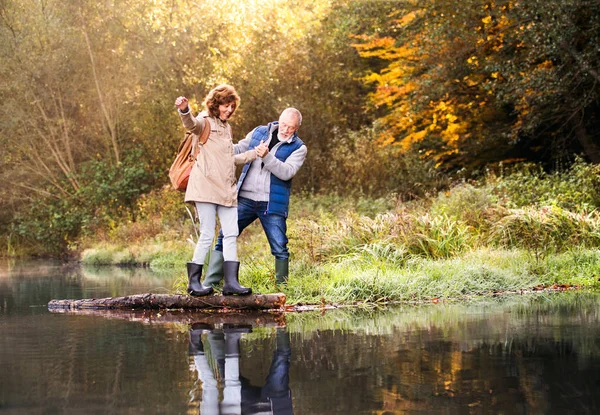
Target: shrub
x: 549, y: 229
x: 361, y: 165
x: 465, y: 203
x: 576, y: 189
x: 437, y: 236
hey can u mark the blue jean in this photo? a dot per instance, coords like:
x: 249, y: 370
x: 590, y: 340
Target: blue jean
x: 275, y: 226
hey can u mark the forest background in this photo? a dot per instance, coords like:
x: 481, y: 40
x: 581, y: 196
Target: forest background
x: 461, y: 112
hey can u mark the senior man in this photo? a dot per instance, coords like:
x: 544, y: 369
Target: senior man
x: 264, y: 189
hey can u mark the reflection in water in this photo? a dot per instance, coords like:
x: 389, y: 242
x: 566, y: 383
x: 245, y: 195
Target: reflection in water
x: 239, y: 395
x: 537, y: 354
x: 32, y: 284
x: 526, y: 354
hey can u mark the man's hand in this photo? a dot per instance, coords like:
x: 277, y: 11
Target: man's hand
x: 182, y: 104
x: 262, y: 149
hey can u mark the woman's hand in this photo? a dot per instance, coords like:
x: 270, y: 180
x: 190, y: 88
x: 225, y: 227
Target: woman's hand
x: 182, y: 104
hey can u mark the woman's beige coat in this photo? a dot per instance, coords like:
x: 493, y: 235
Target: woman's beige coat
x: 212, y: 179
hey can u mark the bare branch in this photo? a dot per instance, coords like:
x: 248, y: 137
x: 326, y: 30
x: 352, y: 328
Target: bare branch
x: 40, y: 191
x: 582, y: 64
x: 53, y: 150
x: 110, y: 122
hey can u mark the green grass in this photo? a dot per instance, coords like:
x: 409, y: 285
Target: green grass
x: 383, y: 276
x: 481, y: 272
x: 389, y: 258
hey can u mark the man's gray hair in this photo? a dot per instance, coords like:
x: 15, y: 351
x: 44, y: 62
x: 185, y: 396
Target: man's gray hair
x: 296, y: 112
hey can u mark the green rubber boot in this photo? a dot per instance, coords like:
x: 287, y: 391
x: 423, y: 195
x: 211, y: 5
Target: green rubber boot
x: 214, y: 272
x: 281, y: 271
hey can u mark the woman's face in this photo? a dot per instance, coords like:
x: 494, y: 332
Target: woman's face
x: 226, y: 111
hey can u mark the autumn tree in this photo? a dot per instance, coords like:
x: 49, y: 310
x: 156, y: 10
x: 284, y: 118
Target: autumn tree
x: 88, y: 119
x: 487, y: 80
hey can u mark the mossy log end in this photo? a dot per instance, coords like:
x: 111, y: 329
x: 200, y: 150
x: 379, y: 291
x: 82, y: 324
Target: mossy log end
x: 167, y: 301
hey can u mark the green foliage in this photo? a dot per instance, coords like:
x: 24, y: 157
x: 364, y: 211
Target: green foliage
x: 114, y: 190
x: 378, y: 255
x: 49, y: 228
x: 305, y: 204
x: 327, y: 235
x: 576, y: 188
x: 480, y: 272
x: 98, y: 256
x: 107, y: 193
x: 359, y: 165
x: 575, y: 266
x: 160, y: 256
x: 546, y: 65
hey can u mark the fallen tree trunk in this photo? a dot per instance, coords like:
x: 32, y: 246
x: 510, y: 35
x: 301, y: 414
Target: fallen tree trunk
x: 215, y: 319
x: 166, y: 301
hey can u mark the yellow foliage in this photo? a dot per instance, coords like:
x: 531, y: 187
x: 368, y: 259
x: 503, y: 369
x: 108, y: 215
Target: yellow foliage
x: 385, y: 139
x: 407, y: 18
x: 547, y: 64
x: 473, y: 61
x: 412, y: 138
x: 451, y: 117
x: 446, y: 123
x: 374, y: 46
x: 470, y: 81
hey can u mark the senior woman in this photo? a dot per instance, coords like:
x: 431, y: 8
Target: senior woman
x: 212, y: 186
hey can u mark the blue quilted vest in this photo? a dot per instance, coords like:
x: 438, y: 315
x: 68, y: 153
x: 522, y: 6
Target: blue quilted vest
x: 279, y: 191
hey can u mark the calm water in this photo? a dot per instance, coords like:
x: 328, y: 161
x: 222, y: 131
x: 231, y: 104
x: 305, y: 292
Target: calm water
x: 520, y: 355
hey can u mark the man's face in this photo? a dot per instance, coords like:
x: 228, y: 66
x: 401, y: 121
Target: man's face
x: 226, y: 110
x: 288, y: 125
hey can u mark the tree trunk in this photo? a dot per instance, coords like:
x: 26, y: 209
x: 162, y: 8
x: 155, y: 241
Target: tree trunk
x: 591, y: 150
x: 166, y: 301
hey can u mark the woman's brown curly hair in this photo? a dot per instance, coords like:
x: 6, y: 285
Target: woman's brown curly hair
x: 221, y: 95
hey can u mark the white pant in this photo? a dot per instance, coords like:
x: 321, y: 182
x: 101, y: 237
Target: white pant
x: 232, y: 392
x: 207, y: 212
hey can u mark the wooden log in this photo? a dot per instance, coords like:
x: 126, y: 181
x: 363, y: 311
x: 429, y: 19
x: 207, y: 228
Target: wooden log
x: 167, y: 301
x: 215, y: 319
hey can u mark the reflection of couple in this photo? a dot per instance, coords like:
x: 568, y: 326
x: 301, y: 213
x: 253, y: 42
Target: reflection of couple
x: 239, y: 396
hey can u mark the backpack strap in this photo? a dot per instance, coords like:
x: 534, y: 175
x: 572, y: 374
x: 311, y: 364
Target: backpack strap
x: 202, y: 138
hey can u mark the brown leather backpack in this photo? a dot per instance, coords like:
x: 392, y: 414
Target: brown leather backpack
x: 180, y: 170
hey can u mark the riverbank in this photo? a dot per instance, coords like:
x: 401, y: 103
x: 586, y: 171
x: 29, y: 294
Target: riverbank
x: 378, y: 276
x: 507, y: 232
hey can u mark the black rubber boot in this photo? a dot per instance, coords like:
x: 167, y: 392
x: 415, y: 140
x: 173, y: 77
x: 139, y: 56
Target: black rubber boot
x: 232, y: 286
x: 281, y: 271
x: 214, y: 272
x: 196, y: 347
x: 195, y: 287
x: 232, y: 344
